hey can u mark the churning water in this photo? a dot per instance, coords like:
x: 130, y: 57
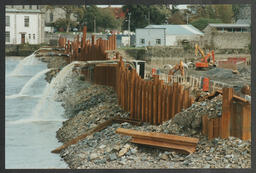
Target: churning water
x: 32, y: 116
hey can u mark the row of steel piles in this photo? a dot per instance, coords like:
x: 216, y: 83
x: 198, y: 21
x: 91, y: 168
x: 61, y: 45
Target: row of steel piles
x: 149, y: 101
x: 86, y: 50
x: 235, y: 120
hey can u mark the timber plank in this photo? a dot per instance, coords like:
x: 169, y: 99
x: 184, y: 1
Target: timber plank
x: 161, y: 140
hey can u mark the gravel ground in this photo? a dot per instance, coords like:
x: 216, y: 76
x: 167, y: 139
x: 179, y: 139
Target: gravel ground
x: 87, y: 105
x: 106, y: 149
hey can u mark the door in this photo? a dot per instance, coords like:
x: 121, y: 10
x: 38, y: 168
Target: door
x: 22, y: 38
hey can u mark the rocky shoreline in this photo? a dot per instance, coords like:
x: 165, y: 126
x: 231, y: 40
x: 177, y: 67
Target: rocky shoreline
x: 87, y: 105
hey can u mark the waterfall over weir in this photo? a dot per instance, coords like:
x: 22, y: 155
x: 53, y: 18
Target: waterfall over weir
x: 32, y: 116
x: 46, y: 107
x: 28, y: 61
x: 29, y: 85
x: 30, y: 88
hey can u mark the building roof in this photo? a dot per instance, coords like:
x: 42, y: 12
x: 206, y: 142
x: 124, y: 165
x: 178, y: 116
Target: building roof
x: 229, y: 25
x: 22, y: 10
x: 178, y: 29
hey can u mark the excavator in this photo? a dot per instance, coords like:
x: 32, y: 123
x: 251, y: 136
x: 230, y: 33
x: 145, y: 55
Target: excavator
x: 177, y: 67
x: 205, y: 62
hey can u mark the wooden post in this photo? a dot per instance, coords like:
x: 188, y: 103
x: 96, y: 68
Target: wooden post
x: 164, y: 98
x: 123, y: 90
x: 186, y: 99
x: 155, y: 98
x: 146, y: 101
x: 132, y: 93
x: 150, y: 99
x: 216, y: 127
x: 93, y: 39
x: 136, y: 96
x: 174, y: 93
x: 246, y: 122
x: 143, y: 101
x: 179, y: 98
x: 159, y: 108
x: 226, y: 112
x: 210, y: 129
x: 128, y: 89
x: 139, y: 99
x: 168, y: 102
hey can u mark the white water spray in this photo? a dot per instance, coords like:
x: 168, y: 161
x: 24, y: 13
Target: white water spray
x: 29, y: 60
x: 29, y: 89
x: 29, y: 85
x: 47, y: 107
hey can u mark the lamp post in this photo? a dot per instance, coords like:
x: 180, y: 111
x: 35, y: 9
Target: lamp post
x: 129, y: 22
x: 94, y: 24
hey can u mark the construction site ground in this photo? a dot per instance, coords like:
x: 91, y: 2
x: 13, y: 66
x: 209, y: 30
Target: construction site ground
x: 87, y: 105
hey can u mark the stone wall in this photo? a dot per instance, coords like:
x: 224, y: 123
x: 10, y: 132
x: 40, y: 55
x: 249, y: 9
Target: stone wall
x: 226, y: 40
x: 20, y: 50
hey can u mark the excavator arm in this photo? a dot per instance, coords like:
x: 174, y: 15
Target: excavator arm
x: 177, y: 67
x: 197, y: 48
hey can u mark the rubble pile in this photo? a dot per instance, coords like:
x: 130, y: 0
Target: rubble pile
x: 87, y: 105
x: 107, y: 149
x: 87, y: 108
x: 189, y: 121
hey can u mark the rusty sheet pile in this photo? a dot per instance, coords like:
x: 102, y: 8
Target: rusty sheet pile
x: 154, y: 101
x: 181, y: 143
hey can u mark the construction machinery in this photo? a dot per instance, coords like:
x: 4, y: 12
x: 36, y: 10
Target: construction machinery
x: 177, y: 67
x: 205, y: 62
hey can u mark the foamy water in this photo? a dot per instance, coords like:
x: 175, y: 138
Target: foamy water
x: 32, y: 116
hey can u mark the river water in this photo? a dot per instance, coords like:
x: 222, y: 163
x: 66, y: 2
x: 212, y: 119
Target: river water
x: 32, y: 117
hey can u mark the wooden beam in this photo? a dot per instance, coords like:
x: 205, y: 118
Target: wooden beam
x: 226, y: 112
x: 161, y: 140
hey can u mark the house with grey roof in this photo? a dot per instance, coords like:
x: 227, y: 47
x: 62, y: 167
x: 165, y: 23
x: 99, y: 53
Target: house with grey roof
x: 227, y: 27
x: 227, y: 36
x: 166, y: 35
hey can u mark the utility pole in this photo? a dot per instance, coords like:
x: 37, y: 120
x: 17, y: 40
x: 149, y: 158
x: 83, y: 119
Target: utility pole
x: 149, y: 17
x: 187, y: 19
x: 129, y: 22
x: 94, y: 24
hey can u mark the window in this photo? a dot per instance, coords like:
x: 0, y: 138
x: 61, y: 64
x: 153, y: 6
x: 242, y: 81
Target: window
x: 51, y: 17
x: 23, y: 6
x: 29, y: 36
x: 7, y: 36
x: 158, y: 41
x: 34, y: 36
x: 30, y: 6
x: 37, y: 7
x: 7, y: 20
x: 26, y: 21
x: 142, y: 41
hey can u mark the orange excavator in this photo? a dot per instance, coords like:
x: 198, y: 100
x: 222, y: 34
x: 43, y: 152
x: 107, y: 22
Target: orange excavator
x: 205, y: 62
x: 177, y: 67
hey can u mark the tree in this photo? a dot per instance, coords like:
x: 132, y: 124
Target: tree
x: 177, y: 18
x: 69, y: 10
x: 142, y: 15
x: 104, y: 18
x: 61, y: 24
x: 224, y: 12
x: 201, y: 23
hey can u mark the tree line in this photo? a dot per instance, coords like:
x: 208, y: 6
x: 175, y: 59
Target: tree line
x: 143, y: 15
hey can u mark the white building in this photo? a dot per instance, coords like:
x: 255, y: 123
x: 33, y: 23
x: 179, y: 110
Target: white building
x: 24, y: 26
x: 166, y: 35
